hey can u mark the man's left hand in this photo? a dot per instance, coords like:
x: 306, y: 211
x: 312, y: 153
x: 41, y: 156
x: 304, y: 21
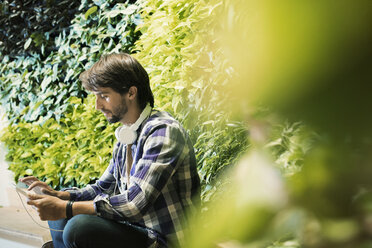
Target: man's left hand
x: 49, y: 207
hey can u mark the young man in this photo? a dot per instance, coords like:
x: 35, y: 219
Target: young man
x: 141, y: 198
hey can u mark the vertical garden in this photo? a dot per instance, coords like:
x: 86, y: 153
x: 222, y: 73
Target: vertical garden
x: 56, y: 134
x: 276, y: 98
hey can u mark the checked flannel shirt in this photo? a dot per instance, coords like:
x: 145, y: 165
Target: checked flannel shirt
x: 163, y: 181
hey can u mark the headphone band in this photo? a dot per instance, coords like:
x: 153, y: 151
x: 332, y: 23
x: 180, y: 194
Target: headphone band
x: 145, y: 113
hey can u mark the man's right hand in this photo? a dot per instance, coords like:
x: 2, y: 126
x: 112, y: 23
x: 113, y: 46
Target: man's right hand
x: 33, y: 182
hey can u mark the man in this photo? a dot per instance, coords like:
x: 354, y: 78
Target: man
x: 141, y: 198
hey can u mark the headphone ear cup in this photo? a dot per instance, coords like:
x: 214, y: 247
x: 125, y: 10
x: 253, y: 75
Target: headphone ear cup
x: 125, y: 135
x: 128, y: 134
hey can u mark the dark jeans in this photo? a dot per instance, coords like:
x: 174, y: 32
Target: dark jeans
x: 93, y: 231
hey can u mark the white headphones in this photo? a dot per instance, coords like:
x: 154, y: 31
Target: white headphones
x: 128, y: 134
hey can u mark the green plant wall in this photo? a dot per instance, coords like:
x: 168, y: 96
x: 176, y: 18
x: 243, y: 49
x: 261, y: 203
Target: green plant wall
x: 176, y: 42
x: 34, y: 88
x: 71, y: 152
x: 41, y: 97
x: 27, y: 26
x: 189, y: 77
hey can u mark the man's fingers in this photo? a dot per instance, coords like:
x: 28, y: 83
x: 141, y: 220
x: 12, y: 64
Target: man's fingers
x: 33, y: 196
x: 37, y: 183
x: 31, y: 202
x: 48, y: 191
x: 42, y: 217
x: 28, y: 180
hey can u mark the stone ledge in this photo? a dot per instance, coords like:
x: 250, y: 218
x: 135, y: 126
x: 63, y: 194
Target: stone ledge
x: 22, y: 238
x: 15, y: 223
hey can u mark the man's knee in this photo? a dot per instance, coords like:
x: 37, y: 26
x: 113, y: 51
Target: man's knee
x: 93, y: 231
x: 78, y: 230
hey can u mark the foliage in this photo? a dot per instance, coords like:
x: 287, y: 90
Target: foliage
x: 289, y: 145
x: 31, y: 26
x: 189, y: 76
x: 285, y: 244
x: 305, y: 68
x: 302, y: 182
x: 34, y: 86
x: 65, y: 142
x: 212, y: 85
x: 36, y: 98
x: 73, y: 151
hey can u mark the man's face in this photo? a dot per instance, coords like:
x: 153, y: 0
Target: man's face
x: 111, y: 104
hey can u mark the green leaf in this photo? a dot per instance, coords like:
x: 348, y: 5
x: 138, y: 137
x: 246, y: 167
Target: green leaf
x: 129, y: 10
x: 70, y: 72
x: 113, y: 13
x: 26, y: 155
x: 46, y: 81
x: 27, y: 43
x: 74, y: 100
x: 90, y: 11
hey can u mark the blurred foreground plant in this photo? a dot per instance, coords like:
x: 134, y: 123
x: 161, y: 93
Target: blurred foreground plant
x: 307, y: 62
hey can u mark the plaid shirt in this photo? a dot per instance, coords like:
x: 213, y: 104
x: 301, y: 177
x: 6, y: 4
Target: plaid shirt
x: 163, y: 181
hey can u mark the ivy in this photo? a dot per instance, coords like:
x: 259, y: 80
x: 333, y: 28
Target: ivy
x: 51, y: 136
x: 33, y: 86
x: 31, y: 26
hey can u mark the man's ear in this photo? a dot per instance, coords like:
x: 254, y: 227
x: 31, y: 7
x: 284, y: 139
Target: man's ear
x: 132, y: 92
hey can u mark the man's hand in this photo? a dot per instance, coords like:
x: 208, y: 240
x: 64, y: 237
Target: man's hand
x: 49, y: 207
x: 33, y: 182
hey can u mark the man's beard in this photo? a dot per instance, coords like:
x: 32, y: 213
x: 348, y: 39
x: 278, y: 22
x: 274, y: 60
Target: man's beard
x: 118, y: 113
x: 114, y: 119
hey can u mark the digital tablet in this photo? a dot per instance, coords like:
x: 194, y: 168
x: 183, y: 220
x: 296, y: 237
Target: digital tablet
x: 20, y: 188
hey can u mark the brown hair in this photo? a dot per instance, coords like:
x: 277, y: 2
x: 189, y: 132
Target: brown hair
x: 119, y: 72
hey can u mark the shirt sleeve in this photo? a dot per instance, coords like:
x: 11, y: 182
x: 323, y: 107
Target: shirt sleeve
x: 163, y: 150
